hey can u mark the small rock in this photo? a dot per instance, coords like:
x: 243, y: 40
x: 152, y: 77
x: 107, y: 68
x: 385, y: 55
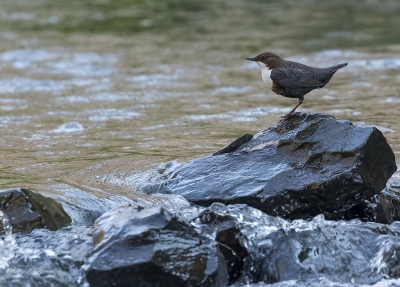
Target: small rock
x: 231, y: 242
x: 28, y: 210
x: 387, y: 205
x: 19, y: 211
x: 381, y: 208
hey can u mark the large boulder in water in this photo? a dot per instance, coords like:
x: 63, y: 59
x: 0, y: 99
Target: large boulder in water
x: 305, y: 165
x: 150, y: 247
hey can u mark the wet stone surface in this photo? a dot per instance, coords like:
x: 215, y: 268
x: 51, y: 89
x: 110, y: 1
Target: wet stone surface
x: 355, y: 252
x: 387, y: 204
x: 305, y: 165
x: 28, y: 210
x: 148, y: 247
x: 230, y: 240
x: 383, y: 207
x: 18, y: 209
x: 297, y: 252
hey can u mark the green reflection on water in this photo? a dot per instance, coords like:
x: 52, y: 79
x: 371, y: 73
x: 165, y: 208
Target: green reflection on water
x: 116, y: 16
x: 309, y: 25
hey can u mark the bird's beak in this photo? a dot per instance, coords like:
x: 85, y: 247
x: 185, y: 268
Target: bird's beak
x: 251, y: 59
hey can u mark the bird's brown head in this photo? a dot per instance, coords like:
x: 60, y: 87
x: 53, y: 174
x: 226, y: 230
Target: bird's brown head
x: 271, y: 60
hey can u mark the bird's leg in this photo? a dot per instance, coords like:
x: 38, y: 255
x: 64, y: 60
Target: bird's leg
x: 292, y: 111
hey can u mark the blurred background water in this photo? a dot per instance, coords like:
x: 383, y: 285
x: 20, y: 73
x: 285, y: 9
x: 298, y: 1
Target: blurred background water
x: 92, y: 92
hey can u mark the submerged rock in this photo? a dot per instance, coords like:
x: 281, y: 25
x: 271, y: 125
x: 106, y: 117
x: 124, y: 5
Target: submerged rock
x: 150, y: 247
x: 305, y: 165
x: 28, y: 210
x: 84, y: 208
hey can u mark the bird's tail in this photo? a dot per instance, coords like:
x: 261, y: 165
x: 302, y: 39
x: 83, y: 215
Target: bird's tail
x: 337, y: 67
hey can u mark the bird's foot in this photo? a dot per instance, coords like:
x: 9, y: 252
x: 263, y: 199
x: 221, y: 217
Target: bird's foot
x: 283, y: 118
x: 289, y: 115
x: 286, y: 116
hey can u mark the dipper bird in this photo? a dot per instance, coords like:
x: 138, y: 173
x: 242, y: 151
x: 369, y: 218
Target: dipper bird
x: 291, y: 79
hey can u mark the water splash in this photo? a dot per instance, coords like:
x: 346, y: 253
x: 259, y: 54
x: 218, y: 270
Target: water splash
x: 71, y: 127
x: 7, y: 240
x: 43, y: 257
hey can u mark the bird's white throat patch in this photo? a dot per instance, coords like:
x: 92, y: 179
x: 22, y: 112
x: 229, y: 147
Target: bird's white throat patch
x: 265, y: 74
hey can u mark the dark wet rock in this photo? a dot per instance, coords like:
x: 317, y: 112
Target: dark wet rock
x: 387, y: 204
x: 230, y: 240
x: 305, y: 165
x: 381, y: 208
x: 150, y: 247
x: 18, y: 209
x: 346, y: 252
x: 248, y: 226
x: 50, y: 210
x: 235, y: 144
x: 28, y: 210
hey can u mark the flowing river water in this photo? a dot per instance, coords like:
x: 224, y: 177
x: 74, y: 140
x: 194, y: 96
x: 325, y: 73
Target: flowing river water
x: 93, y: 92
x: 150, y: 83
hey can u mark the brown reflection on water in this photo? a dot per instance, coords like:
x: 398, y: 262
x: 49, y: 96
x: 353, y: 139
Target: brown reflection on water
x: 150, y: 94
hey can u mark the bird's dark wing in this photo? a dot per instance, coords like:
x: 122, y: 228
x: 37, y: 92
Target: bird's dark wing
x: 291, y: 77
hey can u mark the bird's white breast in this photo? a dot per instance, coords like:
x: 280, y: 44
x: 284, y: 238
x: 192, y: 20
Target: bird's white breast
x: 265, y: 74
